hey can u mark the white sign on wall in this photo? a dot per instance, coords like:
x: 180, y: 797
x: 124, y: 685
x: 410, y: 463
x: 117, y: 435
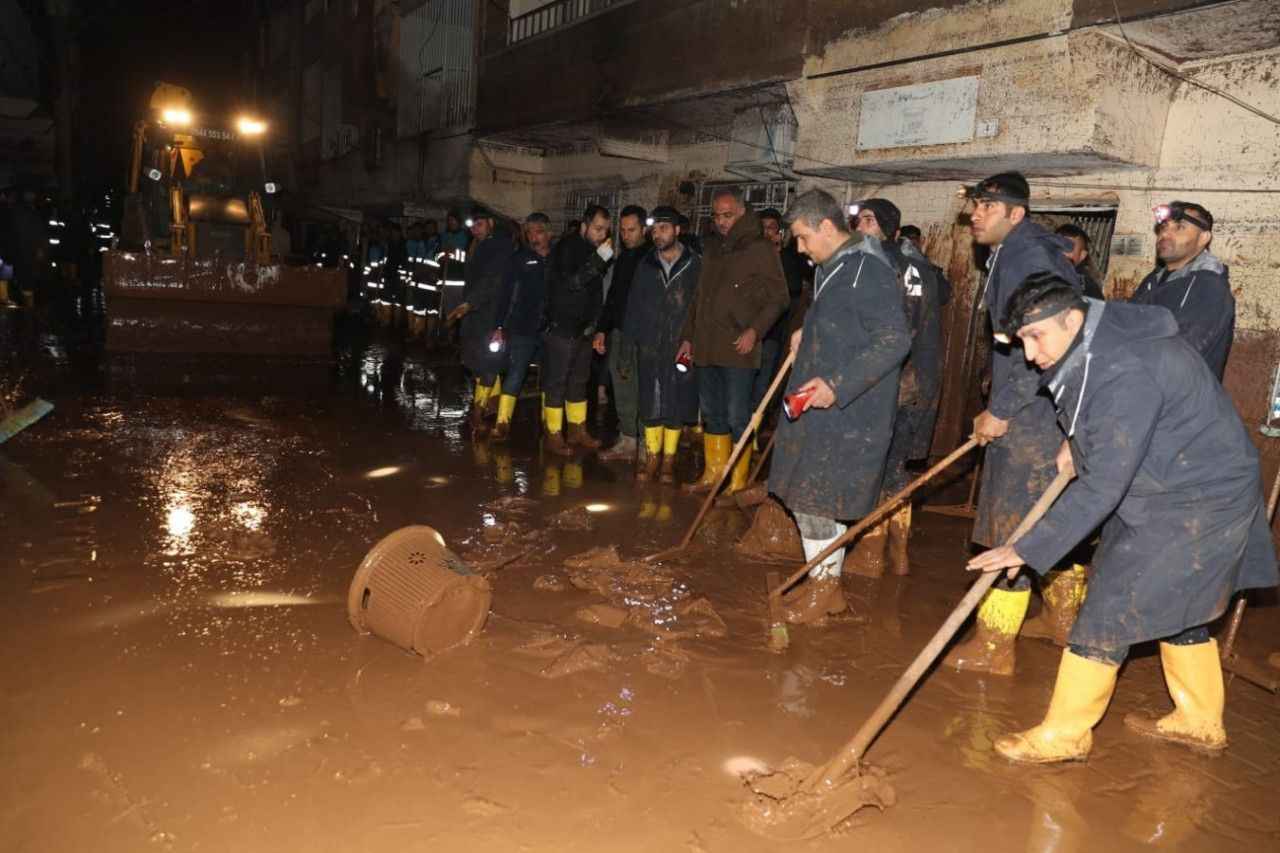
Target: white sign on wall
x: 923, y: 114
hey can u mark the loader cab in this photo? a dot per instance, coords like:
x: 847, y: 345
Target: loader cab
x: 196, y: 186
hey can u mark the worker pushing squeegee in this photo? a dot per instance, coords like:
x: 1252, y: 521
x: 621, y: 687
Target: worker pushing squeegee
x: 1165, y: 465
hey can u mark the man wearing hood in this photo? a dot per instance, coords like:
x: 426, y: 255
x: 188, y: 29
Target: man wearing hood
x: 741, y: 295
x: 662, y: 290
x: 1191, y: 282
x: 918, y: 390
x: 1165, y: 465
x: 1018, y: 426
x: 829, y: 461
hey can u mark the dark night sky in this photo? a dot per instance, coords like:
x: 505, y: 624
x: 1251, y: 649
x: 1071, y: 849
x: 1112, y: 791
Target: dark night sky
x: 127, y: 45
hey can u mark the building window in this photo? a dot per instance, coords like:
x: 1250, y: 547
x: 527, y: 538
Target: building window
x: 577, y: 200
x: 759, y: 195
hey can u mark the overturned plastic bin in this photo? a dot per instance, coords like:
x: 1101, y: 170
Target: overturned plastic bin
x: 411, y: 590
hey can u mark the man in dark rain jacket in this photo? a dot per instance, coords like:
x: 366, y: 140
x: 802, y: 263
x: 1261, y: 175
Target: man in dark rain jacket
x: 741, y: 295
x: 918, y: 390
x: 1191, y: 282
x: 1165, y: 465
x: 520, y: 315
x: 611, y: 338
x: 1018, y: 426
x: 828, y: 462
x: 574, y: 299
x: 662, y: 290
x: 486, y: 276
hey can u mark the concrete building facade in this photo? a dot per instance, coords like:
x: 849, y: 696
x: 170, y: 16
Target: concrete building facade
x: 1110, y: 108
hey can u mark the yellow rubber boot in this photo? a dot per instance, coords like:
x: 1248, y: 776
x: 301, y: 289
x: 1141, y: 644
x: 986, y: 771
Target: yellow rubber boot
x: 867, y: 556
x: 1080, y: 698
x: 506, y: 409
x: 576, y: 433
x: 741, y: 470
x: 716, y: 450
x: 555, y: 432
x: 1062, y: 592
x: 652, y: 454
x: 990, y: 650
x: 476, y: 415
x: 670, y: 441
x: 670, y: 450
x: 1193, y: 675
x: 491, y: 401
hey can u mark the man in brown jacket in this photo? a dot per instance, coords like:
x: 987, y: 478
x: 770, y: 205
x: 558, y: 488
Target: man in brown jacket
x: 740, y: 296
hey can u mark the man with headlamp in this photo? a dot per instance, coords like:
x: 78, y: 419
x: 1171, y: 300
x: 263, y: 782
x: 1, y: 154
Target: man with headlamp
x: 1191, y: 282
x: 1164, y: 464
x: 1018, y: 427
x: 663, y: 288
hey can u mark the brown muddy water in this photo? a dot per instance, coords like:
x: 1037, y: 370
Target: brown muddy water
x: 180, y: 674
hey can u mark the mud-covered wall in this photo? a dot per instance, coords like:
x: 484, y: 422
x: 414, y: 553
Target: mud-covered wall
x: 1212, y: 152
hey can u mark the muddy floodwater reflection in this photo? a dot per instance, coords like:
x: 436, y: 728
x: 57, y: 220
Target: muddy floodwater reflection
x: 181, y: 675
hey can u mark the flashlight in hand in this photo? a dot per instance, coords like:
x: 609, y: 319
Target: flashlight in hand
x: 794, y: 405
x: 683, y: 362
x: 497, y: 341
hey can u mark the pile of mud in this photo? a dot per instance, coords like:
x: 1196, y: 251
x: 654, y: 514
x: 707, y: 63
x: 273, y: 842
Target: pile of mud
x: 641, y: 596
x: 772, y: 536
x: 785, y: 805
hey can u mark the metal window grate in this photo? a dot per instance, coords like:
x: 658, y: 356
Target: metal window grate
x: 576, y: 201
x: 1098, y: 221
x: 759, y: 195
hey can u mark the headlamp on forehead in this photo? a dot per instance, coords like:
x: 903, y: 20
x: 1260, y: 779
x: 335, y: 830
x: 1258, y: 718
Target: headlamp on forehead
x: 1177, y: 211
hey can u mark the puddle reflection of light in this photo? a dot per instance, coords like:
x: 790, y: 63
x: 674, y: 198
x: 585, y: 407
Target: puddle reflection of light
x: 179, y: 523
x: 741, y: 765
x: 382, y: 472
x: 599, y: 507
x: 439, y: 480
x: 249, y: 514
x: 490, y: 520
x: 238, y: 600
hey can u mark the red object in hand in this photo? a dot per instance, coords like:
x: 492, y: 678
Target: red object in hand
x: 683, y: 362
x: 794, y: 405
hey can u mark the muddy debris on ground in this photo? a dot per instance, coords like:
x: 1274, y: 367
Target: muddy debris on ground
x: 785, y: 803
x: 773, y: 535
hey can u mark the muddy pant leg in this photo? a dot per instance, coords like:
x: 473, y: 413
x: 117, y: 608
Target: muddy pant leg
x: 522, y: 351
x: 1190, y: 637
x: 622, y: 369
x: 579, y: 373
x: 557, y: 364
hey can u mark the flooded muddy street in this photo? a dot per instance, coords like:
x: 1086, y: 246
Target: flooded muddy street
x: 181, y: 675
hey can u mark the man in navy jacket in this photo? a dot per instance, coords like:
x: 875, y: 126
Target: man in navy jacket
x: 1164, y: 464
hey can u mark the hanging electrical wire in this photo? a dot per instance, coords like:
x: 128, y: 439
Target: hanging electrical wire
x: 1172, y: 71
